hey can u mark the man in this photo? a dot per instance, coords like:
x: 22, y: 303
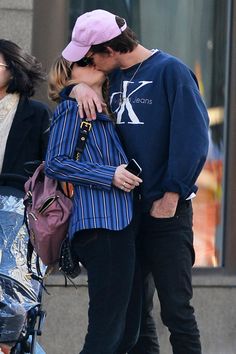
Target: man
x: 163, y: 124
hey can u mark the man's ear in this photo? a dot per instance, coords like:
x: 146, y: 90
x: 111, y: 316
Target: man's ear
x: 110, y: 51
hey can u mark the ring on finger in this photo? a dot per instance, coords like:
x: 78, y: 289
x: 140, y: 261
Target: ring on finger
x: 124, y: 184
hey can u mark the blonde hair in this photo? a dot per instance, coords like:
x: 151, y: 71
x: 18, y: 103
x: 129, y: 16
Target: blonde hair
x: 58, y: 78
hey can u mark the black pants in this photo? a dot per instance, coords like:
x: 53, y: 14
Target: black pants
x: 110, y: 260
x: 167, y: 255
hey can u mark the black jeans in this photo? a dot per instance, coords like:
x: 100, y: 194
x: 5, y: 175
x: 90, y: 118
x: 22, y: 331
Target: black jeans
x: 109, y: 257
x: 167, y: 255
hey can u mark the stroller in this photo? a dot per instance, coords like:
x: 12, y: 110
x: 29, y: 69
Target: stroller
x: 21, y: 314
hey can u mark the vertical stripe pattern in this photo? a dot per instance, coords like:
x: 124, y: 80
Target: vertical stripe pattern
x: 97, y: 203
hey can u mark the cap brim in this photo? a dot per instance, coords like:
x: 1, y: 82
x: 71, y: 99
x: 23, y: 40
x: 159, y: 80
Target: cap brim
x: 73, y: 52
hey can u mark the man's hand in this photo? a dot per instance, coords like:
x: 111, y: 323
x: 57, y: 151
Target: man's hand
x: 166, y: 206
x: 125, y: 180
x: 88, y: 101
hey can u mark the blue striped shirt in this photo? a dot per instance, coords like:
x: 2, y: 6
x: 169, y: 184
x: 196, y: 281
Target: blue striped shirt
x: 97, y: 203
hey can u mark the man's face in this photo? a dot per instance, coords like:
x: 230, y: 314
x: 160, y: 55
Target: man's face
x: 105, y: 62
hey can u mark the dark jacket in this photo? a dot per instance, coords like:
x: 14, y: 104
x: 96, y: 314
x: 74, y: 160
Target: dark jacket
x: 28, y: 136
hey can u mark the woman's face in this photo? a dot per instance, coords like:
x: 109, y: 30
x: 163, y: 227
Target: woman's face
x: 5, y: 75
x: 87, y: 74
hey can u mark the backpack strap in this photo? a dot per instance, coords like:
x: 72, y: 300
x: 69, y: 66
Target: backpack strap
x: 85, y: 127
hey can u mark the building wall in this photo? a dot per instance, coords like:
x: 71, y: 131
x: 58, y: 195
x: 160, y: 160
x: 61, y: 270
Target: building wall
x: 16, y: 22
x: 43, y: 38
x: 214, y: 301
x: 50, y: 31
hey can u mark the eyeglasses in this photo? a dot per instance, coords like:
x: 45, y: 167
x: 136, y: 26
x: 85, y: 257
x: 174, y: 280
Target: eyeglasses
x: 2, y: 66
x: 86, y: 61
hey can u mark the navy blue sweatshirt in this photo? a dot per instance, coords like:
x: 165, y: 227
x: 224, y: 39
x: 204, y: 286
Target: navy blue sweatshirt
x: 163, y: 123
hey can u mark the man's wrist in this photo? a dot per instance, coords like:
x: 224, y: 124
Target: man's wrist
x: 72, y: 93
x: 66, y: 92
x: 171, y: 198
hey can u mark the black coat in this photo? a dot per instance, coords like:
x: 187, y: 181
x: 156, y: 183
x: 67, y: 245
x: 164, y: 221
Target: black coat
x: 28, y: 136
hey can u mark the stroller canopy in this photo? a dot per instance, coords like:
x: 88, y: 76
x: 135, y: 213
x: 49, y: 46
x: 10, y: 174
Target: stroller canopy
x: 18, y: 292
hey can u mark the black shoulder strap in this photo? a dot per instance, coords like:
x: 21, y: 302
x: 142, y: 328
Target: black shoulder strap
x: 85, y: 127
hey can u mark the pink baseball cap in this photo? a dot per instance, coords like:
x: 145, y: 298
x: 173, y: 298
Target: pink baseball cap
x: 91, y: 28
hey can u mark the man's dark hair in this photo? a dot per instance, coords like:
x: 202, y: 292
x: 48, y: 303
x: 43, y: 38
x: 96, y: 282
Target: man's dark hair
x: 25, y: 70
x: 124, y: 43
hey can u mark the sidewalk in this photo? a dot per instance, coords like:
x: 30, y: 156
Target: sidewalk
x: 66, y: 320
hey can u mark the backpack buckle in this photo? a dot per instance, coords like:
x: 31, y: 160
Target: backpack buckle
x: 86, y: 125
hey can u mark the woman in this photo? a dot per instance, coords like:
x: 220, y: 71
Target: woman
x: 101, y: 229
x: 23, y: 122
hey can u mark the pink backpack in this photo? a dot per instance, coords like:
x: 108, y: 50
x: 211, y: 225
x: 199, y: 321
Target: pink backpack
x: 47, y: 213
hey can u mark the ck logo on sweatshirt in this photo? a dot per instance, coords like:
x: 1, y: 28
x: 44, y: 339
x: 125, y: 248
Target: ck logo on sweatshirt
x: 125, y: 102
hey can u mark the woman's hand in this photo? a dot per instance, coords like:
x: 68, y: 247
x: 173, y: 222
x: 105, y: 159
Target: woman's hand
x: 88, y: 101
x: 125, y: 180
